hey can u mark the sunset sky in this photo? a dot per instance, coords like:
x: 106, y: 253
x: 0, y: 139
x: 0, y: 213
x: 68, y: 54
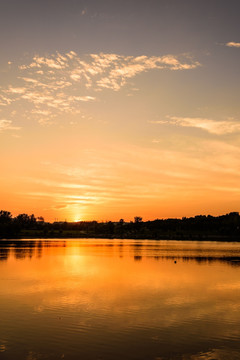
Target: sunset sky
x: 115, y: 109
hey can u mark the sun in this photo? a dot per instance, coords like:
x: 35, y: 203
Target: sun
x: 76, y: 218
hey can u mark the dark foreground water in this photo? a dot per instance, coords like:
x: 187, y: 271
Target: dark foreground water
x: 119, y: 299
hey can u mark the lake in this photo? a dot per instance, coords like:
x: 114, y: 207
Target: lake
x: 119, y: 299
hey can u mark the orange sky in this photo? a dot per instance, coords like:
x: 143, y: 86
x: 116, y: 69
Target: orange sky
x: 145, y: 125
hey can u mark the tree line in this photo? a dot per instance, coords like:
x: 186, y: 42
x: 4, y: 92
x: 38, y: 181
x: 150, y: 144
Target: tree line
x: 200, y: 227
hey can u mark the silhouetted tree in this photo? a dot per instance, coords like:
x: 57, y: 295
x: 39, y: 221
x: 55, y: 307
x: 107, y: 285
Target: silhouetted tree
x: 5, y: 217
x: 198, y: 228
x: 137, y: 219
x: 26, y: 221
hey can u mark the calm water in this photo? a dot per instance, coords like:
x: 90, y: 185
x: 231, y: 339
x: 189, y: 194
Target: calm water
x: 114, y: 299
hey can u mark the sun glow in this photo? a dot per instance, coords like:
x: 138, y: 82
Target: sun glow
x: 76, y: 217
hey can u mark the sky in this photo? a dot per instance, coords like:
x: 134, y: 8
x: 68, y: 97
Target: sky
x: 116, y: 109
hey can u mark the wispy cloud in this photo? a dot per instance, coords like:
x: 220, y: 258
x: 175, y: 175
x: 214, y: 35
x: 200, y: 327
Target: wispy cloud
x: 59, y: 83
x: 7, y: 125
x: 119, y: 68
x: 212, y: 126
x: 107, y: 177
x: 4, y: 100
x: 233, y: 44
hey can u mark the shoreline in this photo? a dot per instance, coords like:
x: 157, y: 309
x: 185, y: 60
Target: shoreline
x: 163, y: 238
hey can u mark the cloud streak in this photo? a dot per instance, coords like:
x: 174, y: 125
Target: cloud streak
x: 233, y: 44
x: 104, y: 178
x: 7, y: 125
x: 212, y: 126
